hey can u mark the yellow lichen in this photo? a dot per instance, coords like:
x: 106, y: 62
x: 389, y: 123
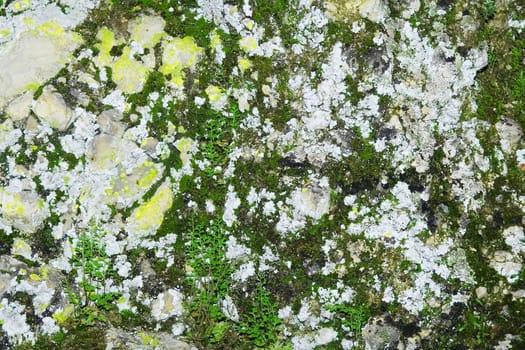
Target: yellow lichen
x: 151, y: 214
x: 244, y: 64
x: 107, y: 41
x: 21, y: 5
x: 141, y: 31
x: 214, y: 93
x: 179, y: 54
x: 184, y: 146
x: 51, y: 29
x: 215, y: 39
x: 14, y: 208
x: 20, y: 247
x: 34, y: 277
x: 149, y: 178
x: 128, y: 73
x: 148, y: 340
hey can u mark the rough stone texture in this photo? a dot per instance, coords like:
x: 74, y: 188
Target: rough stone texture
x: 111, y: 153
x: 31, y: 60
x: 380, y: 334
x: 374, y: 10
x: 510, y: 134
x: 147, y: 30
x: 20, y: 107
x: 120, y: 339
x: 506, y: 264
x: 9, y: 268
x: 52, y: 109
x: 25, y: 210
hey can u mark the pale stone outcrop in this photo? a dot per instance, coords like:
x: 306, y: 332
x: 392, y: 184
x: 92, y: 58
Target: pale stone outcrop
x: 34, y: 58
x: 20, y: 107
x: 24, y: 210
x: 374, y: 10
x: 52, y: 109
x: 109, y: 153
x: 147, y: 30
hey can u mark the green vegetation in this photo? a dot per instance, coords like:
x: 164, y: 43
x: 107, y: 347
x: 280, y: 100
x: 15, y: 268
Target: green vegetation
x: 92, y: 267
x: 261, y: 324
x: 209, y: 274
x: 352, y: 317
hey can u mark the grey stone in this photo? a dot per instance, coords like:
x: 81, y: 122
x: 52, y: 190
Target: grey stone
x: 378, y: 333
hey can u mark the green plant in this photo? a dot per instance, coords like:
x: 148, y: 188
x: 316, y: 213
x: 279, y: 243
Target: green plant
x: 91, y: 267
x: 217, y: 141
x: 261, y: 325
x: 351, y: 317
x: 488, y: 9
x: 209, y: 275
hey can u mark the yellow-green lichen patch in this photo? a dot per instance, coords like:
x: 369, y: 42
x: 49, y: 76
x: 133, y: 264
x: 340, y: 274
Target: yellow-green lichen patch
x: 374, y: 10
x: 21, y: 5
x: 244, y: 64
x: 22, y: 248
x: 149, y: 216
x: 129, y: 74
x: 107, y: 41
x: 184, y: 146
x: 148, y: 340
x: 215, y: 40
x: 178, y: 55
x: 61, y: 316
x: 248, y: 44
x: 214, y: 93
x: 23, y: 210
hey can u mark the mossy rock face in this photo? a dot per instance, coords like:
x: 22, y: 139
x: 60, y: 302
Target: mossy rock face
x: 272, y: 174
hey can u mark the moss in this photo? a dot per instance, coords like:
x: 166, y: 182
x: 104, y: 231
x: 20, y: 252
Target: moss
x: 85, y: 338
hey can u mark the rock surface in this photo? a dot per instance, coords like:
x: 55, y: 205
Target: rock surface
x: 51, y: 108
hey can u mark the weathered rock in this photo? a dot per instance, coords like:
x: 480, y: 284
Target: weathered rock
x: 147, y: 30
x: 109, y: 153
x: 167, y: 304
x: 20, y: 107
x: 52, y: 109
x: 379, y: 333
x: 8, y: 134
x: 34, y: 58
x: 22, y: 248
x: 149, y: 216
x: 120, y: 339
x: 109, y: 123
x: 128, y: 73
x: 506, y: 264
x: 312, y: 201
x: 9, y: 268
x: 24, y: 210
x: 177, y: 55
x: 374, y: 10
x: 510, y: 134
